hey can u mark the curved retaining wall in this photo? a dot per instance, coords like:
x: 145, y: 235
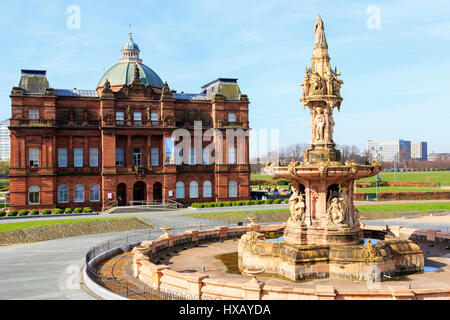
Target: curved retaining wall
x: 160, y: 277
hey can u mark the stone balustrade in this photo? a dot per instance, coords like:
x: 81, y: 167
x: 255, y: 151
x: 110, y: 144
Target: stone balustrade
x: 199, y: 285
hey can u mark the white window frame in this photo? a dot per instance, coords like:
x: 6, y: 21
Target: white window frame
x: 231, y: 117
x: 123, y: 157
x: 120, y: 118
x: 33, y: 157
x: 231, y: 155
x: 207, y: 189
x: 62, y: 158
x: 193, y: 190
x: 154, y: 157
x: 94, y: 190
x: 34, y: 189
x: 78, y: 191
x: 93, y: 157
x: 232, y: 189
x: 137, y: 118
x: 63, y: 193
x: 180, y: 190
x: 137, y: 157
x: 78, y: 157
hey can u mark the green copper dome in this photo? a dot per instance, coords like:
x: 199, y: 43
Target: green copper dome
x: 123, y: 73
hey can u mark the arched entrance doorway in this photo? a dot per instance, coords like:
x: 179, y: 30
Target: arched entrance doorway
x: 121, y: 195
x: 139, y: 192
x: 157, y: 191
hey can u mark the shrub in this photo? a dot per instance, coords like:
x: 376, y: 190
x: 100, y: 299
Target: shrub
x: 78, y: 210
x: 201, y: 205
x: 2, y: 213
x: 211, y: 205
x: 220, y: 204
x: 87, y: 210
x: 23, y: 212
x: 268, y: 201
x: 195, y: 205
x: 277, y: 201
x: 283, y: 182
x: 227, y: 204
x: 46, y: 211
x: 260, y: 202
x: 58, y: 211
x: 68, y: 210
x: 12, y: 213
x: 34, y: 212
x: 248, y: 203
x: 286, y: 200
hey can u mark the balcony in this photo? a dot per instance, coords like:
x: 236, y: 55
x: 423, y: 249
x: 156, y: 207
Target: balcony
x: 21, y: 122
x: 231, y: 124
x: 76, y: 171
x: 78, y: 123
x: 139, y: 124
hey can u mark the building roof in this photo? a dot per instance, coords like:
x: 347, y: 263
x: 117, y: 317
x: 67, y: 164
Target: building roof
x: 75, y: 93
x: 123, y: 73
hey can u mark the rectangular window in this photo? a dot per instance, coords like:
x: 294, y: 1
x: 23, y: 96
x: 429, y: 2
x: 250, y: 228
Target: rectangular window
x: 155, y: 156
x: 178, y: 156
x: 137, y: 156
x: 232, y: 117
x: 78, y: 157
x: 120, y: 158
x: 192, y: 156
x: 169, y: 156
x: 62, y: 157
x: 120, y: 118
x: 137, y: 118
x: 93, y: 157
x: 33, y: 154
x: 231, y: 155
x: 33, y: 114
x: 154, y: 116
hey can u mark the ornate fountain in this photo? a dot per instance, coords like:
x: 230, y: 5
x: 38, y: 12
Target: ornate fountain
x: 323, y: 236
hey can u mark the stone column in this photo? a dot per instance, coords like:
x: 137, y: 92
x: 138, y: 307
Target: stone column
x: 129, y: 152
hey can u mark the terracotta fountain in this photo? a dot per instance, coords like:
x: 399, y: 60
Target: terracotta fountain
x: 323, y: 236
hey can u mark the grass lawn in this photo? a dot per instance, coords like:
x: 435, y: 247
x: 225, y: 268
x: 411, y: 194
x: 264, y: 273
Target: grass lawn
x: 30, y: 224
x: 261, y: 177
x: 399, y: 189
x: 372, y: 212
x: 442, y: 177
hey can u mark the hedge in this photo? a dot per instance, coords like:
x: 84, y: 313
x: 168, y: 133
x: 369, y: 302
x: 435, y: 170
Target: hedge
x: 34, y: 212
x: 236, y: 203
x: 68, y: 210
x: 12, y: 213
x: 58, y: 211
x: 2, y: 213
x: 23, y: 212
x: 87, y: 210
x: 78, y: 210
x: 46, y: 211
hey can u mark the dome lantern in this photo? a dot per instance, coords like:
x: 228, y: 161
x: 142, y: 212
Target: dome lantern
x: 130, y: 51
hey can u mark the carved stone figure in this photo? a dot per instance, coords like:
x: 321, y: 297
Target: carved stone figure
x: 319, y: 125
x: 335, y: 212
x: 319, y: 34
x: 128, y: 113
x: 330, y: 126
x: 297, y: 208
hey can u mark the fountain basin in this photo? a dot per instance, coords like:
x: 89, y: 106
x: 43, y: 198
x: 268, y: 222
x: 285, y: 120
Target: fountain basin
x: 392, y: 257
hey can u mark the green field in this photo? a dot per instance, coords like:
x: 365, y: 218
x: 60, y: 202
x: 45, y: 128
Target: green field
x: 30, y: 224
x: 400, y: 189
x: 440, y: 177
x: 372, y: 212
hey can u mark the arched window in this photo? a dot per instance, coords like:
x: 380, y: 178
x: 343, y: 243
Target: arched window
x: 207, y: 189
x: 79, y: 193
x: 180, y: 190
x: 193, y: 189
x: 94, y: 193
x: 63, y: 194
x: 34, y: 195
x: 232, y: 189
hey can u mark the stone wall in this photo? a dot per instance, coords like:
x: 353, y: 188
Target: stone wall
x: 160, y: 277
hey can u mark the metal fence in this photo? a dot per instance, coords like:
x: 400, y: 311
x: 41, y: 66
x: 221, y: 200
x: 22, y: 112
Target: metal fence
x: 126, y: 242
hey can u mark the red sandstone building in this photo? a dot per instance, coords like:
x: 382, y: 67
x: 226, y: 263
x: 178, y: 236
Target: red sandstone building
x: 113, y: 146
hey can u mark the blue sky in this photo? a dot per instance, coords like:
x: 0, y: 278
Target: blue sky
x: 397, y: 83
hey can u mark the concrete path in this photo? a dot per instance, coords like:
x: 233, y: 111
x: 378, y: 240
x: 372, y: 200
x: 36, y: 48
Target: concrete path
x: 51, y: 269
